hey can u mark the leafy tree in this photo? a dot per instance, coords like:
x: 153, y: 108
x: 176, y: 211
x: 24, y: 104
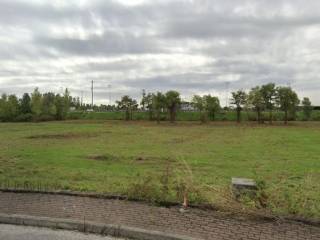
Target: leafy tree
x: 36, y: 102
x: 147, y: 103
x: 173, y: 101
x: 12, y: 108
x: 212, y: 106
x: 59, y: 104
x: 307, y: 108
x: 48, y: 105
x: 128, y: 105
x: 3, y: 107
x: 159, y: 103
x: 67, y: 99
x: 287, y: 100
x: 143, y: 100
x: 25, y: 104
x: 239, y: 98
x: 9, y: 108
x: 256, y: 99
x: 201, y: 104
x: 269, y: 93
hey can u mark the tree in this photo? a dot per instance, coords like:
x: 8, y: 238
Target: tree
x: 287, y: 100
x: 67, y: 99
x: 3, y: 107
x: 158, y: 104
x: 147, y: 103
x: 173, y: 101
x: 255, y: 98
x: 143, y: 100
x: 212, y: 106
x: 268, y: 92
x: 307, y: 108
x: 36, y: 102
x: 48, y: 105
x: 13, y: 108
x: 25, y: 104
x: 239, y: 98
x: 9, y: 108
x: 128, y: 105
x: 58, y: 102
x: 201, y: 104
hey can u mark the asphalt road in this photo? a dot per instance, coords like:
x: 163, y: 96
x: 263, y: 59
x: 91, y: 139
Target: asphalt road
x: 11, y: 232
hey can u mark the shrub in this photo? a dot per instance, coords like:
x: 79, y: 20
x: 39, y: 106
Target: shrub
x: 27, y: 117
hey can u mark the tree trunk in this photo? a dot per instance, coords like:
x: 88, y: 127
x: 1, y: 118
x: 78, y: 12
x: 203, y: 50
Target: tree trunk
x: 270, y: 116
x: 158, y: 116
x: 127, y: 115
x: 150, y: 115
x: 238, y: 114
x: 172, y: 115
x: 259, y: 116
x: 213, y: 116
x: 203, y: 117
x: 286, y: 117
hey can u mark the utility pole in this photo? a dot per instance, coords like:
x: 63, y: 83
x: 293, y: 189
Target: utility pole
x: 227, y: 93
x: 92, y: 94
x: 81, y: 98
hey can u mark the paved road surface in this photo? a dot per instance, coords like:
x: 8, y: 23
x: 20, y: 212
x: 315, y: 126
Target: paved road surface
x: 197, y: 223
x: 11, y: 232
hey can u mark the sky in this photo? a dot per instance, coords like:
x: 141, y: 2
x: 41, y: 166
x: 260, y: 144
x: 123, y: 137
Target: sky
x: 192, y: 46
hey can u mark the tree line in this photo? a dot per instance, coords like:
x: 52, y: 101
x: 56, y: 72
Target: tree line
x: 268, y: 97
x: 153, y: 103
x: 260, y: 99
x: 35, y: 106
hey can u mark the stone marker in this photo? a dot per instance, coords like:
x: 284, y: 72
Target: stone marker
x: 243, y: 186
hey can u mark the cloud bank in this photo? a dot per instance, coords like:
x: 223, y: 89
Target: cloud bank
x: 195, y: 47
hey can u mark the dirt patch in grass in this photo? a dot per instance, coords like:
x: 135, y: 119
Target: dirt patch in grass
x: 63, y: 136
x: 104, y: 157
x: 154, y: 160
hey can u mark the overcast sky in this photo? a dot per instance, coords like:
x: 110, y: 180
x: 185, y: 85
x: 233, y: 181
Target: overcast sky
x: 195, y: 47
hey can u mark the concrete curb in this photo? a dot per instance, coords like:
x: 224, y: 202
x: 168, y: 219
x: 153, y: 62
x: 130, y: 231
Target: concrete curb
x: 89, y: 227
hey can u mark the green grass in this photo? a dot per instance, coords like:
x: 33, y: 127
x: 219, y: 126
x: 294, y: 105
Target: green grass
x: 120, y: 157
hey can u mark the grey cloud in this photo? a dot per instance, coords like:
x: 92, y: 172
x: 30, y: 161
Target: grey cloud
x: 110, y: 43
x: 192, y: 46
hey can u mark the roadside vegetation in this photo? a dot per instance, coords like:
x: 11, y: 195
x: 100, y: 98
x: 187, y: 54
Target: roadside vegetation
x: 167, y: 157
x: 168, y: 163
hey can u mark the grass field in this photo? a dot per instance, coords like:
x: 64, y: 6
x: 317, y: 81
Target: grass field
x: 150, y: 161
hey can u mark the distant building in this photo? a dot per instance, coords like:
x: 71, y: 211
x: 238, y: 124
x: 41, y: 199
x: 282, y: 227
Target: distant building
x: 72, y: 109
x: 187, y: 107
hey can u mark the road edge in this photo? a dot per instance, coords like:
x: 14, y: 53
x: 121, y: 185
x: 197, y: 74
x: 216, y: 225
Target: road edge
x: 89, y: 227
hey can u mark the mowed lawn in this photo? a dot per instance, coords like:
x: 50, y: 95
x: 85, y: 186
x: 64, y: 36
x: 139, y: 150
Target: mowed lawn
x: 109, y: 156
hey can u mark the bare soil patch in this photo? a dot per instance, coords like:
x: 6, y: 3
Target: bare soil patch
x: 104, y: 157
x: 63, y: 136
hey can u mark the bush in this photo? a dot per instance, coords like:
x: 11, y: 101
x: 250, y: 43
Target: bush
x: 44, y: 118
x: 27, y: 117
x: 315, y: 116
x: 144, y: 188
